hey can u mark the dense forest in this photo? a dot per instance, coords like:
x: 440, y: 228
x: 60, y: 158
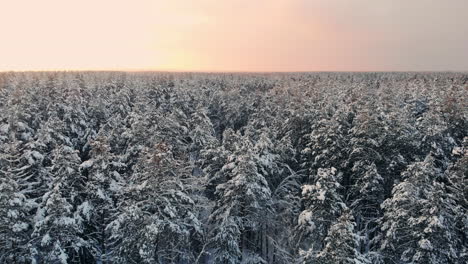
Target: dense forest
x: 115, y: 167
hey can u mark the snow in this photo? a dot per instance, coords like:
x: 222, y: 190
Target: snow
x: 307, y: 188
x: 86, y: 209
x: 39, y: 217
x: 115, y: 174
x: 4, y: 128
x: 435, y: 222
x: 169, y: 211
x: 321, y: 131
x: 87, y: 164
x: 21, y: 126
x: 425, y: 244
x: 457, y: 151
x: 100, y: 194
x: 16, y: 202
x: 305, y: 217
x: 37, y: 155
x: 63, y: 257
x: 65, y: 221
x: 321, y: 195
x: 229, y: 166
x: 21, y: 226
x: 34, y: 157
x: 13, y: 213
x: 114, y: 186
x: 45, y: 240
x: 306, y: 150
x: 153, y: 229
x: 70, y: 170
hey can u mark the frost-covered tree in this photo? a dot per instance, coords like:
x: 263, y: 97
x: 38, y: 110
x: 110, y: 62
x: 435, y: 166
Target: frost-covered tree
x: 341, y: 243
x: 366, y: 186
x: 156, y: 223
x: 322, y: 205
x: 275, y: 157
x: 14, y: 221
x: 215, y: 159
x: 102, y: 190
x: 419, y: 219
x: 327, y: 144
x: 202, y: 134
x: 57, y: 235
x: 122, y: 167
x: 242, y: 204
x: 457, y: 181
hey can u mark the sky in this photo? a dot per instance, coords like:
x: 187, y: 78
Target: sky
x: 234, y: 35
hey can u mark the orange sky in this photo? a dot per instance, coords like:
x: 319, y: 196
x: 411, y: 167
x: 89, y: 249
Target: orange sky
x: 234, y: 35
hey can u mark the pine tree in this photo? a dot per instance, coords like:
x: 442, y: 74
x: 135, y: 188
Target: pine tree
x: 198, y: 168
x: 157, y: 223
x: 457, y: 181
x: 275, y: 155
x: 341, y: 243
x: 322, y: 206
x: 14, y: 218
x: 367, y: 186
x: 102, y: 190
x: 327, y: 144
x: 418, y: 223
x: 57, y: 235
x: 215, y: 162
x: 243, y: 201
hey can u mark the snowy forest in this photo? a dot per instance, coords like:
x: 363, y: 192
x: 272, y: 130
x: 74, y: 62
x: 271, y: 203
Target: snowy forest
x: 146, y: 167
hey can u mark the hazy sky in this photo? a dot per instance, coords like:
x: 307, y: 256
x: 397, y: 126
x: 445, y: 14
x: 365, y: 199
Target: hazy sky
x: 234, y: 35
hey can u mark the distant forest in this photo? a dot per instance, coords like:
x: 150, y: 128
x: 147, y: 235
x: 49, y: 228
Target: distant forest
x: 115, y: 167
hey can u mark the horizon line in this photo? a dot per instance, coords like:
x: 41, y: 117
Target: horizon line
x: 230, y: 71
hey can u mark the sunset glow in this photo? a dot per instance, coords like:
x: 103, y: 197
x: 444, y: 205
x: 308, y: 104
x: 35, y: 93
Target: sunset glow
x: 237, y: 35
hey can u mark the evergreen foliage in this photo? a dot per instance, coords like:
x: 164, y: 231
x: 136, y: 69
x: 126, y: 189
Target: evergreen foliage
x: 114, y: 167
